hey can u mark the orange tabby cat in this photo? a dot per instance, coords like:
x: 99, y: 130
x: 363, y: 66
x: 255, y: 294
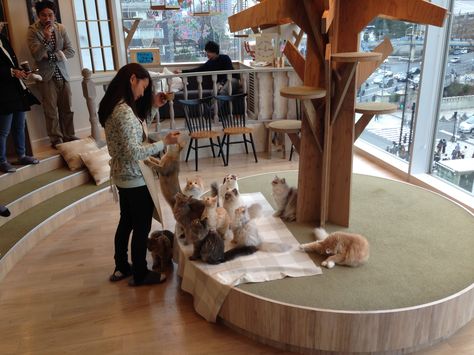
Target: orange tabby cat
x: 344, y: 248
x: 194, y: 187
x: 217, y: 217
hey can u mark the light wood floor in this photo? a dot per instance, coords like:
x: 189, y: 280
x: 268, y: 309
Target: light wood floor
x: 58, y: 299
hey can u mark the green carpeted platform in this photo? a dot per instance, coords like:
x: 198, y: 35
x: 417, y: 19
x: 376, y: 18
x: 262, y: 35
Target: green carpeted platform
x: 422, y: 248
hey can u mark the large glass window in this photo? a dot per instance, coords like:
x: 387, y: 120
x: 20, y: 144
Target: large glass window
x: 181, y: 34
x: 453, y: 155
x: 93, y: 26
x: 3, y: 20
x: 397, y: 81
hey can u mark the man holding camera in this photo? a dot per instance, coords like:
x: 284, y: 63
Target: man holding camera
x: 50, y: 46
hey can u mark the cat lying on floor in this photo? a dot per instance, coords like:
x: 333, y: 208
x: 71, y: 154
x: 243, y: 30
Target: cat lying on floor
x: 343, y: 248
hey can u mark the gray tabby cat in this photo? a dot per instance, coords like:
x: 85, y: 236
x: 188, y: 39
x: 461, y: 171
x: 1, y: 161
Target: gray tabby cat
x: 209, y: 246
x: 285, y: 198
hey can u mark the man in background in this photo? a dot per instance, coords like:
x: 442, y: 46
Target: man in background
x: 50, y: 46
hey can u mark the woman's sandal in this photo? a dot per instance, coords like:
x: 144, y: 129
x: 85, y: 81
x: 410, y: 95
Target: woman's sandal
x: 119, y: 275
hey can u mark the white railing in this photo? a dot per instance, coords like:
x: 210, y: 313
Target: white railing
x: 261, y: 84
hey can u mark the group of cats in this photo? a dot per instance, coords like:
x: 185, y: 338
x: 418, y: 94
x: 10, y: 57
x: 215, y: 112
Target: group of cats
x: 205, y: 222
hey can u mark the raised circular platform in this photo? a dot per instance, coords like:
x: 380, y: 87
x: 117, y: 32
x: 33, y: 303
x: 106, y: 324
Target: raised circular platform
x: 416, y: 289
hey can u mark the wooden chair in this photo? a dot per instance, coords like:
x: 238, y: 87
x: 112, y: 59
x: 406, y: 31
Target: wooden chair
x: 198, y: 114
x: 232, y: 115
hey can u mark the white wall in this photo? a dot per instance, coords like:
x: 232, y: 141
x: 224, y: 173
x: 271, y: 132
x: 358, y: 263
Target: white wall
x: 18, y: 23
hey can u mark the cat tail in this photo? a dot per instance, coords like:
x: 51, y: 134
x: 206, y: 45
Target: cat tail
x: 215, y: 191
x: 320, y: 233
x: 237, y: 251
x: 270, y: 247
x: 255, y: 210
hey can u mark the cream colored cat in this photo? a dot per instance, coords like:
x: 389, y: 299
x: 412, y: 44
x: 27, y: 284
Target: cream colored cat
x: 285, y: 198
x: 343, y: 248
x: 217, y: 217
x: 194, y: 187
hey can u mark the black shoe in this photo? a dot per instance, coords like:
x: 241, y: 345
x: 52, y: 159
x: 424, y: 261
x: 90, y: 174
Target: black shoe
x: 27, y: 160
x: 56, y: 142
x: 151, y: 278
x: 71, y: 138
x: 4, y: 212
x: 6, y: 167
x: 118, y: 275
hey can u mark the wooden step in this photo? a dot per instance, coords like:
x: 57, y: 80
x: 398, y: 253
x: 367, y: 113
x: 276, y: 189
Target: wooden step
x: 27, y: 172
x: 356, y: 57
x: 27, y: 194
x: 302, y: 92
x: 375, y: 108
x: 164, y: 8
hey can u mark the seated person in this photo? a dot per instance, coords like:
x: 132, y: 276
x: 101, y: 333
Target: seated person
x: 215, y: 62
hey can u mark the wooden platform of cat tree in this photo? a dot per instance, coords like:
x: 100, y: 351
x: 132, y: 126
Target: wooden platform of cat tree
x: 369, y: 110
x: 302, y: 92
x: 356, y: 57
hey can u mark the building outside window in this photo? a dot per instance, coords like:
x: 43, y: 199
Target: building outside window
x: 181, y: 35
x: 93, y: 25
x: 453, y: 154
x: 397, y: 80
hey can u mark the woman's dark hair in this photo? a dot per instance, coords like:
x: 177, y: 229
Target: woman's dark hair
x: 212, y: 47
x: 41, y: 5
x: 120, y: 90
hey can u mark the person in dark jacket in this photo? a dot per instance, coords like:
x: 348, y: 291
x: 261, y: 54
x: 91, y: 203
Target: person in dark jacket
x: 215, y: 62
x: 14, y: 101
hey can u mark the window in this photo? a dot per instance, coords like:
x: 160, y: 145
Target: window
x: 397, y: 80
x: 93, y: 27
x: 3, y: 20
x: 179, y: 34
x: 454, y: 136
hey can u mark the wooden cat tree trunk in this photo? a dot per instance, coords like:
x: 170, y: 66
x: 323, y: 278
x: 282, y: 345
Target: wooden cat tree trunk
x: 332, y: 71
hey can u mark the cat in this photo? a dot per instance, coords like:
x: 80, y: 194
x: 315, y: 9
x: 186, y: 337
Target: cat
x: 285, y: 198
x: 244, y: 227
x: 194, y: 187
x: 229, y: 182
x: 185, y: 210
x: 245, y: 230
x: 167, y: 169
x: 343, y: 248
x: 232, y: 201
x: 209, y: 246
x: 160, y: 244
x: 217, y: 217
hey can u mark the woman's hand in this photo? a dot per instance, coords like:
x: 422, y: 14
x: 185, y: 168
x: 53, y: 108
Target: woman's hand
x: 159, y: 99
x: 172, y: 138
x: 20, y: 74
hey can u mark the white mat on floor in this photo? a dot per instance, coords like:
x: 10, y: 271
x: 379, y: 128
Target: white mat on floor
x: 210, y: 284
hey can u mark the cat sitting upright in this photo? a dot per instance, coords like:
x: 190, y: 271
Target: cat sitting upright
x: 285, y: 198
x: 185, y: 210
x: 194, y: 187
x: 229, y: 182
x: 343, y: 248
x: 160, y: 244
x: 217, y: 217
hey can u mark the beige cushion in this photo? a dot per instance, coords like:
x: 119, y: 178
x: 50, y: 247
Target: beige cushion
x: 70, y: 151
x: 97, y: 162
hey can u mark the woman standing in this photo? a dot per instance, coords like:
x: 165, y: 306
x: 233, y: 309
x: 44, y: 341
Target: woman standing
x: 123, y: 112
x: 14, y: 101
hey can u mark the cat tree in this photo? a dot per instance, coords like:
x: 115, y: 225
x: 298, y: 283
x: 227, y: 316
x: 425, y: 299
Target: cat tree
x: 332, y: 70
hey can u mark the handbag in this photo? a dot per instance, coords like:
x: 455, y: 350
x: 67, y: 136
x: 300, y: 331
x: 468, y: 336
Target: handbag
x: 32, y: 100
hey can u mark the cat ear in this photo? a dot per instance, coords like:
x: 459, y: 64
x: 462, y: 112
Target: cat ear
x: 234, y: 177
x: 283, y: 180
x: 235, y: 191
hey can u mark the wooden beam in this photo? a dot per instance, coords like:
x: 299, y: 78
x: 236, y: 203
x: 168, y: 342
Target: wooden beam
x: 342, y: 86
x: 355, y: 15
x: 311, y: 12
x: 298, y: 36
x: 130, y: 32
x: 360, y: 125
x: 314, y: 123
x: 365, y: 69
x: 295, y: 58
x: 328, y: 16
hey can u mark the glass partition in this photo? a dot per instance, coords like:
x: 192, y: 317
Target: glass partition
x: 397, y: 80
x: 453, y: 153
